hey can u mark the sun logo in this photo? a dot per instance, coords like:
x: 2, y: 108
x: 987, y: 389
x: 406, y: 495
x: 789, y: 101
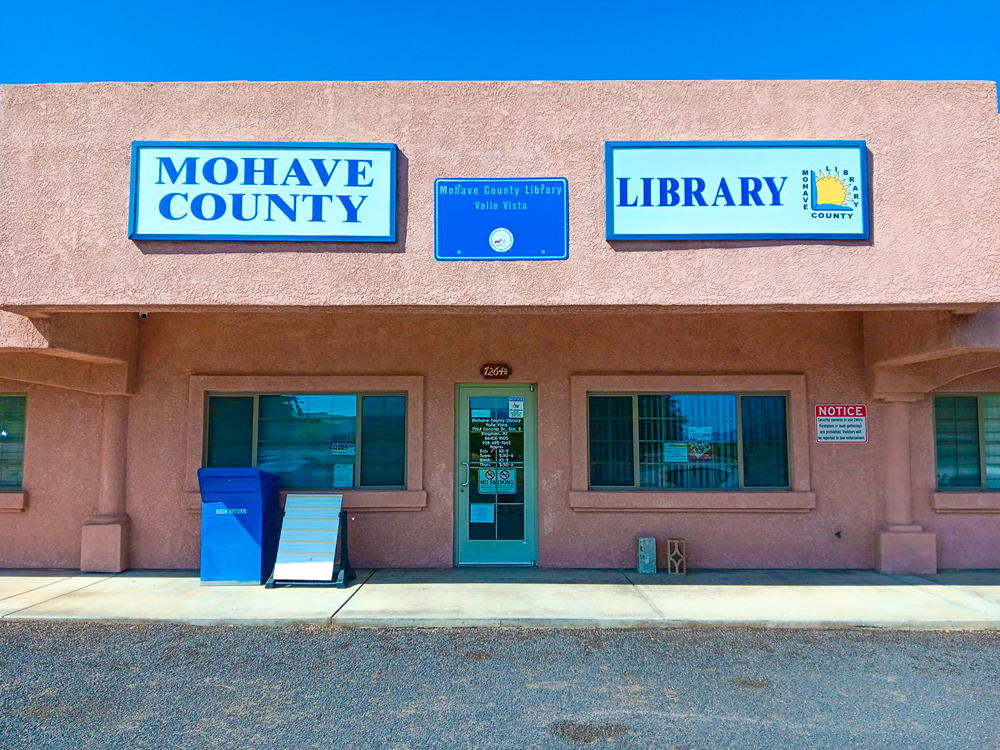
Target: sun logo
x: 831, y: 191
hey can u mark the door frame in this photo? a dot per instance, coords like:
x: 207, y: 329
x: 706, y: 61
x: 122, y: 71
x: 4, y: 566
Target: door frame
x: 530, y: 457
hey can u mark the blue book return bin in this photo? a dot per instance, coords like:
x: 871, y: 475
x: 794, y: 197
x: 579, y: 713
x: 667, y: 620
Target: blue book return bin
x: 239, y: 525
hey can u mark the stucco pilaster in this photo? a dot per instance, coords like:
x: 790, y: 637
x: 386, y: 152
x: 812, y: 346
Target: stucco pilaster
x: 104, y: 541
x: 903, y: 547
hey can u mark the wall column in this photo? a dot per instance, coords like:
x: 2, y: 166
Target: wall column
x: 105, y: 537
x: 903, y: 547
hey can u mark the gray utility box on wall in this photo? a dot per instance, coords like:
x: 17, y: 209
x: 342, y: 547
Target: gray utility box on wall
x: 646, y: 557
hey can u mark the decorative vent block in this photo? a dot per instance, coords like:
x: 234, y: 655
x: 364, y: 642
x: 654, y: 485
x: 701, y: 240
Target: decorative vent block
x: 677, y: 557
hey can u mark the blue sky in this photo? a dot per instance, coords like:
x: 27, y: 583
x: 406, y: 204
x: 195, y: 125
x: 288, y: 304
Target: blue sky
x: 142, y: 40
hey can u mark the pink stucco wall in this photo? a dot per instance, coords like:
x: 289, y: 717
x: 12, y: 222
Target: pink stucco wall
x: 64, y: 174
x: 62, y: 443
x: 446, y: 348
x: 760, y: 308
x: 964, y: 540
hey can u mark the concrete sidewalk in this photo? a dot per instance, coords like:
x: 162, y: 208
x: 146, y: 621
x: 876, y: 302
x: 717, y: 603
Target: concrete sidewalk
x: 468, y: 597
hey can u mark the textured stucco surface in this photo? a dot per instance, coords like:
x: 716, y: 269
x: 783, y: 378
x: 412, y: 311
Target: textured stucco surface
x: 963, y: 540
x: 445, y: 348
x: 22, y: 334
x: 62, y: 454
x: 448, y: 349
x: 64, y: 173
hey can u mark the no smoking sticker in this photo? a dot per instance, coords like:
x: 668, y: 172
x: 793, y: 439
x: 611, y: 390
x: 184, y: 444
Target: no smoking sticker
x: 506, y: 481
x: 497, y: 481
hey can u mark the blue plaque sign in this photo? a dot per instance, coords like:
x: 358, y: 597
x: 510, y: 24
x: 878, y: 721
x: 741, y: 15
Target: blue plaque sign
x: 501, y: 219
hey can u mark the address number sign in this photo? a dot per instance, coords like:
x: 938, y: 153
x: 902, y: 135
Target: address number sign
x: 495, y: 371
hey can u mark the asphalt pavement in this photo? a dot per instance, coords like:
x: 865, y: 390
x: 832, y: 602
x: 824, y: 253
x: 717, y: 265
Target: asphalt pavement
x: 163, y: 686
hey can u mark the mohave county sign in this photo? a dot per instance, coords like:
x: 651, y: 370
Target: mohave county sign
x: 319, y: 192
x: 692, y: 190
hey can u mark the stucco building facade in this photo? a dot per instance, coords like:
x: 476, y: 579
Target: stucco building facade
x: 125, y: 365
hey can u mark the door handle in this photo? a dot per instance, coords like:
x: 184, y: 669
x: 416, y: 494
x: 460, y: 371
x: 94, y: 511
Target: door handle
x: 466, y: 482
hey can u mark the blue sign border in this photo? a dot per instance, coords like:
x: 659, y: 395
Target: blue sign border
x: 133, y: 204
x: 609, y: 154
x: 565, y: 252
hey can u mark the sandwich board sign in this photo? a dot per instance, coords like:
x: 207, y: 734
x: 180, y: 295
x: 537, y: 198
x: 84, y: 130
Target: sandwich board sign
x: 311, y: 532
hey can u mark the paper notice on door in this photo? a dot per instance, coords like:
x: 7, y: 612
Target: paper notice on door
x: 515, y: 407
x: 481, y: 513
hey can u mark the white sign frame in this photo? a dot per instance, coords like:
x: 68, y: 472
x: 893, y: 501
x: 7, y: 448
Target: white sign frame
x: 310, y: 535
x: 825, y: 423
x: 639, y: 211
x: 153, y: 180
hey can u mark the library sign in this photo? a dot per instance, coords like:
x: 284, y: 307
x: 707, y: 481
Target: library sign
x: 317, y: 192
x: 695, y: 190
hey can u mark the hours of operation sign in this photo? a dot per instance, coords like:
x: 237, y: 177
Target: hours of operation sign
x: 841, y: 423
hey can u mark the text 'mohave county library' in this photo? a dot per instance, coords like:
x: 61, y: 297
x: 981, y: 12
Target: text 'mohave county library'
x: 512, y: 323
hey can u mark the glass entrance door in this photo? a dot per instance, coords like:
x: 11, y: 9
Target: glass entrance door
x: 496, y: 478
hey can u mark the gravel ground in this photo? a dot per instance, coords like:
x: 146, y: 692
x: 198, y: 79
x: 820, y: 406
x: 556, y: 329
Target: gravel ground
x: 79, y: 685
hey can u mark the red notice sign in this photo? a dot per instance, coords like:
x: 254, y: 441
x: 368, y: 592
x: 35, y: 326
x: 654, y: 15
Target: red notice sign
x: 841, y: 423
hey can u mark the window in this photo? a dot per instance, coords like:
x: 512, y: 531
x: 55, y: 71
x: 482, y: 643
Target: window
x: 13, y: 410
x: 313, y: 442
x: 699, y: 441
x: 967, y: 441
